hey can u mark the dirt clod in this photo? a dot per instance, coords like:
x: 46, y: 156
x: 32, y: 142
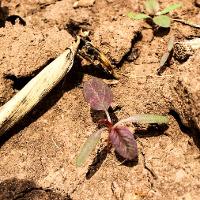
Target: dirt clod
x: 83, y: 3
x: 182, y: 52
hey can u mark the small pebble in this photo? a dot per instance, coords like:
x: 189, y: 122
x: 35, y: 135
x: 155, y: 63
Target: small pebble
x: 83, y: 3
x: 182, y: 52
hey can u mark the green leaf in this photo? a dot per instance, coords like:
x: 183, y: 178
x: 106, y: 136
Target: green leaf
x: 88, y: 147
x: 152, y: 6
x: 145, y: 118
x: 162, y: 20
x: 137, y: 16
x: 170, y: 8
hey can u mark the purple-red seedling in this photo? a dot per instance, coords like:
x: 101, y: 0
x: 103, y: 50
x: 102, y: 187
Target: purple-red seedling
x: 100, y: 97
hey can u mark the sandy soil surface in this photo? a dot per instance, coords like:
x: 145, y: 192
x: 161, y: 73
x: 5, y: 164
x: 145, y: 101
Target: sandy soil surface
x: 38, y: 154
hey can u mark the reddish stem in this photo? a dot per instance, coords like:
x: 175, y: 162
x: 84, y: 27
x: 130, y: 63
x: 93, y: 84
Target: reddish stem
x: 105, y: 122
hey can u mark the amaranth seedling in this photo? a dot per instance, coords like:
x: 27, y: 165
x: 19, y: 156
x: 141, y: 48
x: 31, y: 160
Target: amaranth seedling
x: 100, y: 97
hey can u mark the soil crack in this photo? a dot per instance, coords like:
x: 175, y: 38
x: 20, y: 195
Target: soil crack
x: 81, y: 182
x: 133, y: 53
x: 192, y: 131
x: 151, y: 175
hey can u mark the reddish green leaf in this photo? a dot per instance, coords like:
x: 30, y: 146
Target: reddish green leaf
x: 124, y: 142
x: 97, y: 94
x: 88, y: 147
x: 144, y: 119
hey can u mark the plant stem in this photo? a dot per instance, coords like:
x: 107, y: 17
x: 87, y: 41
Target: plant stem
x: 108, y: 116
x: 187, y: 23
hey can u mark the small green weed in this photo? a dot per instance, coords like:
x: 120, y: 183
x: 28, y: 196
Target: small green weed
x: 152, y: 8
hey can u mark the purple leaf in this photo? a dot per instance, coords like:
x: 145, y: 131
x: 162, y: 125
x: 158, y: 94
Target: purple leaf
x: 97, y: 94
x: 124, y: 142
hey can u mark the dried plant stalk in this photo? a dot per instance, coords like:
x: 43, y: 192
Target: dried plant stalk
x: 37, y: 88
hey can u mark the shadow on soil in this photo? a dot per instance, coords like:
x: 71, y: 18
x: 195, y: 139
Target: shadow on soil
x: 192, y: 131
x: 96, y: 71
x: 133, y: 52
x: 152, y: 130
x: 127, y: 163
x: 158, y: 31
x: 98, y: 115
x: 13, y: 189
x: 4, y: 16
x: 100, y: 158
x: 19, y: 82
x: 97, y: 162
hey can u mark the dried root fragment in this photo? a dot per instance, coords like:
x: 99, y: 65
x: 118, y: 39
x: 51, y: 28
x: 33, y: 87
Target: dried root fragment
x: 36, y: 89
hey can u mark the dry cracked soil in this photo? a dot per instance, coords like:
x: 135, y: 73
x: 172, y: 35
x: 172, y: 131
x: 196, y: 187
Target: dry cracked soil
x: 38, y: 154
